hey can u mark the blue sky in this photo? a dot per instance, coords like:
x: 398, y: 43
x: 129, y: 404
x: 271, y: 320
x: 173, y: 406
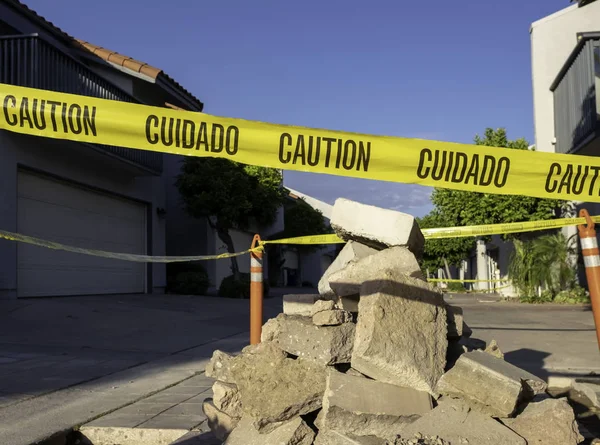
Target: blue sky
x: 430, y: 69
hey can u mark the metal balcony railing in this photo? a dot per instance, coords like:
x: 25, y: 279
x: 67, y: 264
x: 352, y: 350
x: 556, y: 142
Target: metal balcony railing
x: 29, y: 61
x: 575, y: 98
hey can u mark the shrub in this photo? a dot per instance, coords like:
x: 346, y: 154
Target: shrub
x: 232, y: 288
x: 455, y: 287
x: 187, y: 278
x: 576, y: 295
x: 545, y: 297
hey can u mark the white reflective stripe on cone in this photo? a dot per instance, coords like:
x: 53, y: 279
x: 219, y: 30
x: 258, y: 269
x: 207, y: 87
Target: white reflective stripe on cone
x: 591, y: 261
x: 589, y: 243
x: 255, y: 262
x: 257, y: 277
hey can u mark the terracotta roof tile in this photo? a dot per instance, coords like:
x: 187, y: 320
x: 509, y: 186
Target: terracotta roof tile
x: 119, y: 59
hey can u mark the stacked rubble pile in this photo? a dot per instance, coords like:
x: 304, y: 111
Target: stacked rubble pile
x: 378, y: 358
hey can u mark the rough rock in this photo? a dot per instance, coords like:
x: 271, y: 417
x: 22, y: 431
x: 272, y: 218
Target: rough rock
x: 321, y: 306
x: 299, y: 304
x: 219, y: 423
x: 331, y: 318
x: 332, y: 437
x: 494, y: 350
x: 363, y: 407
x: 376, y: 227
x: 455, y: 423
x: 489, y: 384
x: 349, y: 280
x: 350, y: 253
x: 219, y: 367
x: 298, y: 336
x: 420, y: 439
x: 590, y: 389
x: 294, y: 432
x: 226, y: 398
x: 455, y: 321
x: 275, y: 388
x: 549, y: 422
x: 401, y: 332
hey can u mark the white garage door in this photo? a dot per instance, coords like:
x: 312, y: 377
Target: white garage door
x: 79, y: 217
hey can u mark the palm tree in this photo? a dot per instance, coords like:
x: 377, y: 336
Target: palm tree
x: 542, y: 263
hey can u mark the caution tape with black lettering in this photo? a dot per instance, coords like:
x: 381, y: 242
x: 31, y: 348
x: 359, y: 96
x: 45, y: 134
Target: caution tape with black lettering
x: 456, y: 232
x: 396, y: 159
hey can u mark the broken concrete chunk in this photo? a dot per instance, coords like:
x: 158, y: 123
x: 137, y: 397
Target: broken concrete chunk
x: 218, y: 367
x: 420, y: 439
x: 457, y: 424
x: 350, y: 253
x: 549, y: 422
x: 276, y: 389
x: 363, y: 407
x: 349, y: 280
x: 321, y: 306
x: 331, y: 318
x: 332, y: 437
x: 376, y: 227
x: 494, y: 350
x: 226, y: 398
x: 299, y: 304
x: 219, y: 423
x: 298, y: 336
x: 294, y: 432
x: 401, y: 332
x: 455, y: 322
x: 590, y: 389
x: 489, y: 384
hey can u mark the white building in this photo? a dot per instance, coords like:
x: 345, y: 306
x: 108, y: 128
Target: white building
x: 565, y: 66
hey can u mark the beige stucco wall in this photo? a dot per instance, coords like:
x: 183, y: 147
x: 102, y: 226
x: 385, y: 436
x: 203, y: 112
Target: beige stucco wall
x: 552, y: 40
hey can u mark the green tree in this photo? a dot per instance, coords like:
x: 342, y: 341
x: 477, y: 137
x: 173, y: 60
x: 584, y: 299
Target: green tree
x: 455, y: 208
x: 463, y: 208
x: 230, y: 196
x: 441, y: 252
x: 543, y: 262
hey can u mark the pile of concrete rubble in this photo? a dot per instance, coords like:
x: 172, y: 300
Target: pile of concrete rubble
x: 378, y: 358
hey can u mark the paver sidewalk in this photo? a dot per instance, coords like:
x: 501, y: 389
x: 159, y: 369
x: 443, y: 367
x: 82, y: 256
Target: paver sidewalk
x: 65, y: 362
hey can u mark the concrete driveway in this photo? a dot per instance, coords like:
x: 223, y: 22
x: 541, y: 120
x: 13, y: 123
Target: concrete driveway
x: 67, y: 361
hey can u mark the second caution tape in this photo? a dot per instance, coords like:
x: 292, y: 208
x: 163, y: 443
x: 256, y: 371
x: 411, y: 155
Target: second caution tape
x: 396, y: 159
x: 456, y: 232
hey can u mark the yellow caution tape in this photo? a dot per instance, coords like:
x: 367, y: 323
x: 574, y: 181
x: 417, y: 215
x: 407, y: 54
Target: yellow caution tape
x: 456, y: 232
x: 118, y: 256
x: 406, y: 160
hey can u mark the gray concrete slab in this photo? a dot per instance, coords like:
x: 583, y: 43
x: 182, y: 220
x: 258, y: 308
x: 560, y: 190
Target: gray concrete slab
x: 67, y: 361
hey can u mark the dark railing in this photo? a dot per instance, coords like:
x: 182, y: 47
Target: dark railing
x: 575, y: 110
x: 31, y: 62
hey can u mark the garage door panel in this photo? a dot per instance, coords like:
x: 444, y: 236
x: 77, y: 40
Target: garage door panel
x: 70, y: 215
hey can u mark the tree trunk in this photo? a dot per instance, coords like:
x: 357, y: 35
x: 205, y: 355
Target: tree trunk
x: 223, y: 234
x: 447, y: 269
